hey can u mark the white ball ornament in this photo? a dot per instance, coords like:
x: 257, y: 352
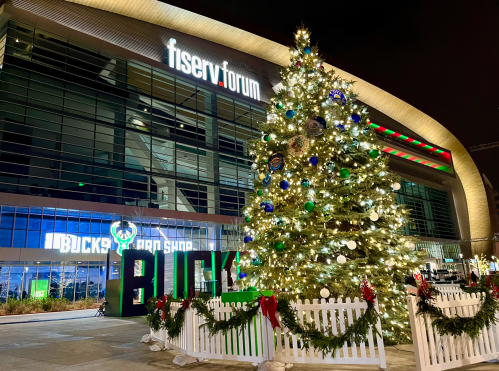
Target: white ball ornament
x: 410, y: 245
x: 291, y: 94
x: 325, y: 293
x: 341, y: 259
x: 291, y: 82
x: 390, y: 263
x: 263, y: 138
x: 351, y: 245
x: 254, y: 166
x: 396, y: 186
x: 374, y: 216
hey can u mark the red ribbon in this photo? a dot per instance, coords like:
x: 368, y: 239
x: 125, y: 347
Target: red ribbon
x: 161, y: 304
x: 495, y: 291
x: 269, y: 309
x: 367, y: 292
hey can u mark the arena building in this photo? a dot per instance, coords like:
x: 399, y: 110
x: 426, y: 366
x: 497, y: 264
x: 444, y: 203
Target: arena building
x: 139, y: 111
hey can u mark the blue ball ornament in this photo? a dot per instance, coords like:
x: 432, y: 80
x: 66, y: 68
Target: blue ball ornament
x: 307, y: 50
x: 269, y: 208
x: 248, y: 239
x: 314, y: 160
x: 242, y: 275
x: 284, y: 184
x: 355, y: 118
x: 341, y: 128
x: 290, y: 113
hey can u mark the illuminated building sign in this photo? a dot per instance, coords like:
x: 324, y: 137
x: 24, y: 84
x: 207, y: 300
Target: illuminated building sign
x: 202, y: 69
x: 69, y: 243
x: 123, y: 238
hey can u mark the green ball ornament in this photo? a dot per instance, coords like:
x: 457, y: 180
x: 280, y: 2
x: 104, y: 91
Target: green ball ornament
x: 256, y: 261
x: 279, y: 246
x: 279, y: 105
x: 266, y: 138
x: 248, y: 219
x: 346, y: 199
x: 252, y: 288
x: 259, y: 192
x: 309, y: 206
x: 287, y: 271
x: 344, y: 173
x: 305, y: 183
x: 374, y: 153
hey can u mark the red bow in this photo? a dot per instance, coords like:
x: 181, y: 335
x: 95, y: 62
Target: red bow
x: 186, y: 303
x: 269, y: 309
x: 161, y: 304
x: 424, y: 290
x: 367, y: 291
x: 495, y: 291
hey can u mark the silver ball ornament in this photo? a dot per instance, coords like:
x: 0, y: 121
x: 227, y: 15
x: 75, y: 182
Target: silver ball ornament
x: 352, y: 245
x: 325, y: 293
x: 341, y: 259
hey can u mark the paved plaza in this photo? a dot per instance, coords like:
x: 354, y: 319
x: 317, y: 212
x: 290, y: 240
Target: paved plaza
x: 101, y: 344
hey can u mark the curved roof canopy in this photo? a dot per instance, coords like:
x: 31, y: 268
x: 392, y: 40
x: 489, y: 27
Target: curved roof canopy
x: 165, y: 15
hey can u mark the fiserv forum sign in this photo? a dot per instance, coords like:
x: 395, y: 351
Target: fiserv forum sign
x: 202, y: 69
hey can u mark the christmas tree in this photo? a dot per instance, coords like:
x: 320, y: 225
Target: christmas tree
x: 323, y: 215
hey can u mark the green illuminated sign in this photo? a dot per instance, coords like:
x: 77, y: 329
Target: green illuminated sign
x: 123, y: 239
x: 39, y: 288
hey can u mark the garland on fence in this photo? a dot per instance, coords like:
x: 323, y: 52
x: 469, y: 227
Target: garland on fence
x: 311, y: 336
x: 159, y: 316
x: 456, y: 326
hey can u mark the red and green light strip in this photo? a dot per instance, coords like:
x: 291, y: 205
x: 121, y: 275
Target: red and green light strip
x: 419, y: 160
x: 406, y: 139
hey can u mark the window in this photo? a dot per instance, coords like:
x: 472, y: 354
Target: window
x: 431, y: 211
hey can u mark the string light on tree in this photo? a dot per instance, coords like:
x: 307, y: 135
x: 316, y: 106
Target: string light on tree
x: 328, y: 217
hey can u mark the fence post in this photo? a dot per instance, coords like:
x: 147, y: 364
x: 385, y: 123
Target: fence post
x: 268, y: 340
x: 416, y: 335
x: 381, y: 344
x: 189, y: 328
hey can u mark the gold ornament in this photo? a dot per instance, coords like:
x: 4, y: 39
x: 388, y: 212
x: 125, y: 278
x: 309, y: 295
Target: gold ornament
x: 298, y: 145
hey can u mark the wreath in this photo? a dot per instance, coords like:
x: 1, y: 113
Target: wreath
x: 159, y: 316
x: 456, y: 326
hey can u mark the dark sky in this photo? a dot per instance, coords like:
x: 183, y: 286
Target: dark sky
x: 440, y: 56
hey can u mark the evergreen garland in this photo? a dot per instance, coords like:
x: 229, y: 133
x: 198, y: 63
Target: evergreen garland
x: 162, y: 318
x: 456, y: 326
x: 310, y: 336
x: 240, y: 317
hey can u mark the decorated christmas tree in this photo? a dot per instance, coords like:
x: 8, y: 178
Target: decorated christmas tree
x: 323, y: 215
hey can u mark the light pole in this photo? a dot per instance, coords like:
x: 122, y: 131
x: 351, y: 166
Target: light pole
x: 464, y: 268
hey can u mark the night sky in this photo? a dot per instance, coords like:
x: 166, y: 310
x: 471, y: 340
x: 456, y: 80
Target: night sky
x: 440, y: 56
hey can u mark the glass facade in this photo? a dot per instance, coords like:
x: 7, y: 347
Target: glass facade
x: 36, y: 227
x: 77, y: 123
x: 431, y: 212
x: 72, y: 280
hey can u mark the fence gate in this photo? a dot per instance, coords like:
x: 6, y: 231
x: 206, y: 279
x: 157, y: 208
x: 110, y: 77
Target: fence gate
x: 434, y: 352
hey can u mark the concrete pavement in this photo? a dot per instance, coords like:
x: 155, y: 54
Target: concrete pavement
x: 114, y: 344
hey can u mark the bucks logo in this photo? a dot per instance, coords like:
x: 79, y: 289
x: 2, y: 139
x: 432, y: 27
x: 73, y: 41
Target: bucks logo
x: 123, y: 238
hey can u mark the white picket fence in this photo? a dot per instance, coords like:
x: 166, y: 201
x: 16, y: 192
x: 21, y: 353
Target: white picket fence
x: 449, y: 288
x: 435, y: 352
x: 260, y: 342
